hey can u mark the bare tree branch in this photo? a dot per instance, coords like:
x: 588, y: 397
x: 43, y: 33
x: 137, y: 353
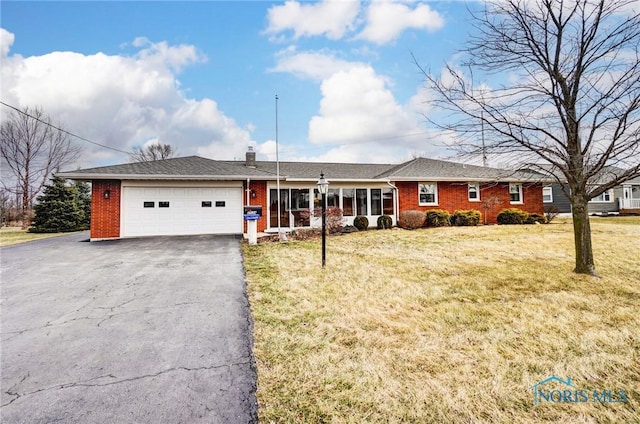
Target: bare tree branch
x: 571, y: 97
x: 151, y: 152
x: 32, y: 148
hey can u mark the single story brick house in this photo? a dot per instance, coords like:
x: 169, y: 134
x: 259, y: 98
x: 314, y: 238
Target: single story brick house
x: 194, y: 195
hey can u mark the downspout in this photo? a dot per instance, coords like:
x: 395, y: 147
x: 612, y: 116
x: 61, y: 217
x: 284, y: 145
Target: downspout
x: 396, y: 201
x: 248, y: 190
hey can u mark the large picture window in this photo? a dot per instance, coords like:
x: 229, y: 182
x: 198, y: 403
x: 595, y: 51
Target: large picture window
x: 428, y: 193
x: 387, y: 201
x: 333, y: 197
x: 515, y: 193
x: 376, y: 201
x: 361, y: 201
x: 348, y: 197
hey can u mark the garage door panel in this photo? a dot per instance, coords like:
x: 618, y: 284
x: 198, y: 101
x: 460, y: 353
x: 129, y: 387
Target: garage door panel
x: 185, y: 213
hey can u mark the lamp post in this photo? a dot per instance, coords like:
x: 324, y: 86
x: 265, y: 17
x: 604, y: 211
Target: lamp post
x: 323, y: 188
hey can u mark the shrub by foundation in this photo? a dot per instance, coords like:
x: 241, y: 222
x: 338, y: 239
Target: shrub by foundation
x: 361, y: 222
x: 512, y: 216
x: 385, y: 222
x: 437, y: 218
x: 466, y: 218
x: 410, y: 220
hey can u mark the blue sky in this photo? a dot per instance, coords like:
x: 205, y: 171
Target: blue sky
x: 203, y: 75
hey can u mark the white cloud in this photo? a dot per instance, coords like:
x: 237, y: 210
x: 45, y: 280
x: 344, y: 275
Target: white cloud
x: 122, y: 101
x: 387, y: 20
x: 316, y: 66
x: 6, y: 41
x: 330, y: 18
x: 357, y: 105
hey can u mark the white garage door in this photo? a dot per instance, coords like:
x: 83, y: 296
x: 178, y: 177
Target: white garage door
x: 154, y: 211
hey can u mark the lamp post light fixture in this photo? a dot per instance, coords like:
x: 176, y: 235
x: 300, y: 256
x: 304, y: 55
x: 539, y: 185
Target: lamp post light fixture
x: 323, y: 188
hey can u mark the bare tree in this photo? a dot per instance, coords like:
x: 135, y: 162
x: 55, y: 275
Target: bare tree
x: 568, y: 94
x: 32, y: 148
x: 156, y: 151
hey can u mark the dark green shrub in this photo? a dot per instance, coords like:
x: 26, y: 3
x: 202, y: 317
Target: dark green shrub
x: 385, y: 222
x: 534, y: 217
x: 437, y: 218
x: 410, y: 220
x: 512, y: 216
x: 465, y: 218
x: 361, y: 222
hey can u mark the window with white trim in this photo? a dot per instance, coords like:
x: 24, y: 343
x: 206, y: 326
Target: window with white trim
x: 515, y: 193
x: 604, y: 197
x: 547, y: 194
x: 428, y: 194
x: 474, y: 192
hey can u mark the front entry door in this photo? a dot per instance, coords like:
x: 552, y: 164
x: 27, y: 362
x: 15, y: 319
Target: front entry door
x: 284, y: 207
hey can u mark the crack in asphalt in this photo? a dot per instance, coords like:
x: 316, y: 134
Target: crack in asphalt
x: 86, y: 383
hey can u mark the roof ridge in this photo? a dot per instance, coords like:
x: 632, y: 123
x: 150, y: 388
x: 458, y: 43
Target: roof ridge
x: 396, y: 168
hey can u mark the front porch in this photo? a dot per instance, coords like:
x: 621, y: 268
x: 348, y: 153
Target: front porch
x: 629, y: 203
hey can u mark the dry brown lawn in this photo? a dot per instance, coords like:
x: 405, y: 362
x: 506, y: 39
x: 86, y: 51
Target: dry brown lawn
x: 14, y: 235
x: 446, y: 325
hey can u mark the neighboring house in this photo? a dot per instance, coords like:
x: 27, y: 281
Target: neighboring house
x: 194, y: 195
x: 622, y: 199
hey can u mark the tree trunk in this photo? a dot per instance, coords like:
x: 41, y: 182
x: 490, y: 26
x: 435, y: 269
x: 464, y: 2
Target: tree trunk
x: 582, y: 237
x: 26, y: 215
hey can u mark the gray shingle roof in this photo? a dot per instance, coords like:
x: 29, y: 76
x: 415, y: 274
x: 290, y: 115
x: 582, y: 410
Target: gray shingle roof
x: 198, y: 168
x: 438, y: 170
x: 607, y: 173
x: 190, y: 167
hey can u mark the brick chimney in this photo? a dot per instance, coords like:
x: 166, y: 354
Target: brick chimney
x: 250, y: 161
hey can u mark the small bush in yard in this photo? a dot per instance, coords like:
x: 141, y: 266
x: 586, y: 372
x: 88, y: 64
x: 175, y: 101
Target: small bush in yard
x: 385, y: 222
x: 533, y: 218
x: 437, y: 218
x: 550, y: 212
x: 465, y: 218
x: 361, y: 222
x: 335, y: 221
x: 410, y: 220
x: 512, y: 216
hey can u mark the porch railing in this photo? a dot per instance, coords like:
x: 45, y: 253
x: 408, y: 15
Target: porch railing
x: 628, y: 203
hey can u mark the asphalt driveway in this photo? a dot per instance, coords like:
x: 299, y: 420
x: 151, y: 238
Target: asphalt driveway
x: 153, y: 330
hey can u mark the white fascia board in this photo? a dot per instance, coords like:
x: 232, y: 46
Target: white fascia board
x: 472, y: 180
x: 339, y: 180
x: 84, y: 176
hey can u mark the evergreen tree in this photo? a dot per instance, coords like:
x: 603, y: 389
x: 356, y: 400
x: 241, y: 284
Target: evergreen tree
x: 84, y: 202
x: 58, y: 209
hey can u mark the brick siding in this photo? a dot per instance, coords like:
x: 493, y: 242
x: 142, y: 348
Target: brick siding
x: 105, y: 213
x: 260, y: 199
x: 453, y: 196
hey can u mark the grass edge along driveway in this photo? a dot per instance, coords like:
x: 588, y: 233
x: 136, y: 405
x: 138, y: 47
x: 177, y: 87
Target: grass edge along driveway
x: 446, y: 325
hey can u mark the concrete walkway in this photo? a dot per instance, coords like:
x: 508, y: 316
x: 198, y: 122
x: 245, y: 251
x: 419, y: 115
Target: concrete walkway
x: 154, y: 330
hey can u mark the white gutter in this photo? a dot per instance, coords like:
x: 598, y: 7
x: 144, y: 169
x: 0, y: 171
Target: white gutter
x: 248, y: 191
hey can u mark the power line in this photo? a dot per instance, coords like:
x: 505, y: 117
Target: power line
x: 63, y: 130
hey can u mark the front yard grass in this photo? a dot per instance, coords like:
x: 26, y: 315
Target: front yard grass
x: 445, y: 325
x: 14, y: 235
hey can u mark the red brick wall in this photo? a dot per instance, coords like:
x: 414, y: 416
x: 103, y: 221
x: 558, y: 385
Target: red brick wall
x: 259, y: 188
x: 105, y: 213
x: 453, y: 196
